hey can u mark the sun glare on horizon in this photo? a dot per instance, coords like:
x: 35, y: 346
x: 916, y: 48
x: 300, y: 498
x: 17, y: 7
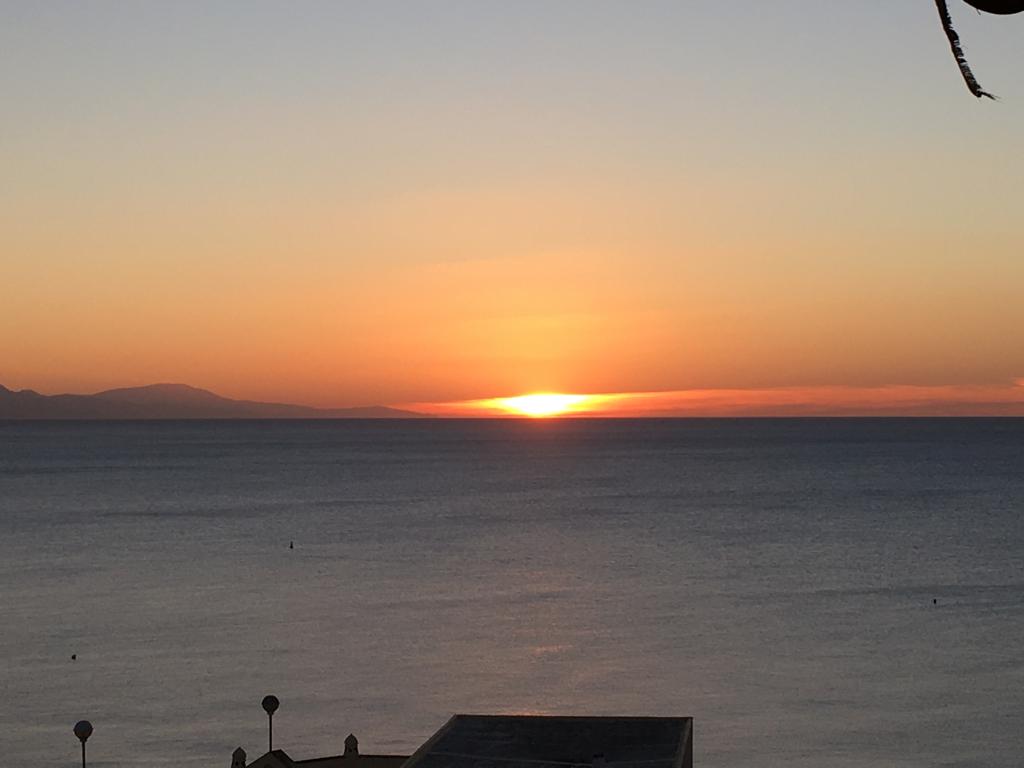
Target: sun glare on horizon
x: 541, y: 404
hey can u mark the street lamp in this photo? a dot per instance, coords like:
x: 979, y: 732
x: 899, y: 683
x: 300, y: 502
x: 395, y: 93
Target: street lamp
x: 83, y: 730
x: 270, y: 705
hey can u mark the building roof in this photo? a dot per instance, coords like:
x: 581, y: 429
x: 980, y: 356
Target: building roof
x: 276, y: 759
x: 527, y: 741
x: 354, y: 761
x: 280, y: 759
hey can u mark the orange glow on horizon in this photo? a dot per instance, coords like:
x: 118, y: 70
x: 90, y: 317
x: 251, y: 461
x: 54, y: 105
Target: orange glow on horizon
x: 541, y: 404
x: 535, y: 405
x: 893, y: 400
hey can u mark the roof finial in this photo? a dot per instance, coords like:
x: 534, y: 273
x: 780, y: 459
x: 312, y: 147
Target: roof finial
x: 351, y: 746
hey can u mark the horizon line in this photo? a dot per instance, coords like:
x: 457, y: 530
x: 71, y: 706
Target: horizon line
x: 788, y: 401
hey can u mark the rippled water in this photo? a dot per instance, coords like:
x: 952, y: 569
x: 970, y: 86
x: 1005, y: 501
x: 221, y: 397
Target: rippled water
x: 813, y: 592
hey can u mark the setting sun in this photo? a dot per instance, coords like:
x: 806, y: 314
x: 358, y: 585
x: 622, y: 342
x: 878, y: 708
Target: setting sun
x: 541, y: 404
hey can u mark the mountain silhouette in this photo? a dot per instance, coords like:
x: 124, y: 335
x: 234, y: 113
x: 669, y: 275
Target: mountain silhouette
x: 171, y: 401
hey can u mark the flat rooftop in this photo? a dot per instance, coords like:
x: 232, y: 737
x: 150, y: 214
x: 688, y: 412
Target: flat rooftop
x: 530, y: 741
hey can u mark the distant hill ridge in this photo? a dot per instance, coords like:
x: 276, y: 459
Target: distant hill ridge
x: 171, y: 401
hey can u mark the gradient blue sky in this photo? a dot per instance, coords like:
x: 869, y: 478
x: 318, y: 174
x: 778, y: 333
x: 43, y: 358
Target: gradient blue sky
x: 307, y: 201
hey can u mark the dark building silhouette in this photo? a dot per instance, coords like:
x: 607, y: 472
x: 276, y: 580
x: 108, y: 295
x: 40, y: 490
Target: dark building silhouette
x: 523, y: 741
x: 350, y: 758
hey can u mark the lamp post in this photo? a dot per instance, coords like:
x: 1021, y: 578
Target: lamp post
x: 83, y: 730
x: 270, y: 705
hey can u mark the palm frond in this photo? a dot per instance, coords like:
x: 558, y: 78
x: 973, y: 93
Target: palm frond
x: 958, y: 52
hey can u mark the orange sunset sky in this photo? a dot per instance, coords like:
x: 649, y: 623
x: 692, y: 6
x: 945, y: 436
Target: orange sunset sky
x: 440, y: 203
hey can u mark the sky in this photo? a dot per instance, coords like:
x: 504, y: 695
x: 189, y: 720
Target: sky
x: 723, y: 206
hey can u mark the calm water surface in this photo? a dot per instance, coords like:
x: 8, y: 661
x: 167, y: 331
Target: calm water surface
x: 814, y: 592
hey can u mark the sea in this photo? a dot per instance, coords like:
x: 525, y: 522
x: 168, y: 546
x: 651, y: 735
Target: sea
x: 814, y: 592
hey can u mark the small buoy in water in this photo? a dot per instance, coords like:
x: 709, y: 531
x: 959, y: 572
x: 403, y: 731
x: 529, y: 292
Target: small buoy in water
x: 935, y: 601
x: 291, y: 545
x: 74, y: 656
